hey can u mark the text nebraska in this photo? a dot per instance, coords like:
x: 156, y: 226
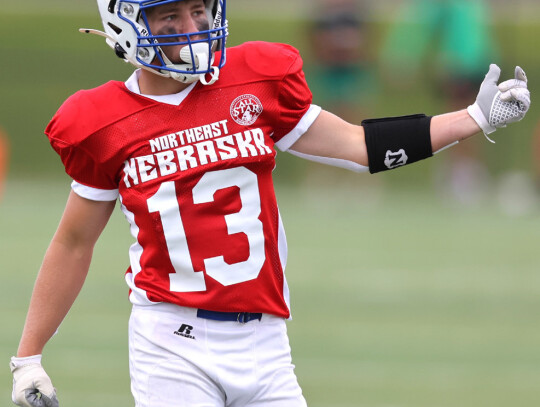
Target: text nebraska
x: 249, y: 143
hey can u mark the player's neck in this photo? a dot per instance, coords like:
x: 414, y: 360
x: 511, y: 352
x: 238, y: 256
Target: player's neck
x: 151, y: 84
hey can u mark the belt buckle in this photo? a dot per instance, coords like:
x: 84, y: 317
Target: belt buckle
x: 243, y: 317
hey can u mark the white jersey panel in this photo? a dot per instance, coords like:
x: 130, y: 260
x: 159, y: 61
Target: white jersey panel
x: 94, y: 194
x: 137, y: 296
x: 283, y: 253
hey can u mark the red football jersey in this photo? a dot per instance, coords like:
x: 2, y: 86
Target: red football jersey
x: 195, y: 179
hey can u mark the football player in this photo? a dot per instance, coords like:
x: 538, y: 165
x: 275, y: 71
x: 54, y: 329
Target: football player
x: 187, y: 147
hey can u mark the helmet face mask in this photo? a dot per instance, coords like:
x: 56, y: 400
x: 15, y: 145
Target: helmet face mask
x: 128, y: 32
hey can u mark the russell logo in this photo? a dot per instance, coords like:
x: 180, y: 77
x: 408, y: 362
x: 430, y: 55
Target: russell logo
x: 185, y: 331
x: 246, y: 109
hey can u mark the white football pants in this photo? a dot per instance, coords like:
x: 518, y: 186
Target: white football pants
x: 180, y: 360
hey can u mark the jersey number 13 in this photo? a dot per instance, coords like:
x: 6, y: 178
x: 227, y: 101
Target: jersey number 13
x: 165, y: 202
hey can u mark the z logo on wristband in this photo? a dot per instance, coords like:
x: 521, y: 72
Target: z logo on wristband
x: 395, y: 159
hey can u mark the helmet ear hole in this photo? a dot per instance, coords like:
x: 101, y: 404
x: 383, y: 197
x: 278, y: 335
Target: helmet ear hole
x: 112, y: 3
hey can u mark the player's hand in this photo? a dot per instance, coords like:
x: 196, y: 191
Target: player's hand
x: 32, y: 387
x: 498, y: 105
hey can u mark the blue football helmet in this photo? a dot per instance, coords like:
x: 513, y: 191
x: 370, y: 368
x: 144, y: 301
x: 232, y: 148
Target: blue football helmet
x: 128, y: 33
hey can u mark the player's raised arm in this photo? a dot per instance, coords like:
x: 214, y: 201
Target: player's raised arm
x: 60, y: 279
x: 387, y: 143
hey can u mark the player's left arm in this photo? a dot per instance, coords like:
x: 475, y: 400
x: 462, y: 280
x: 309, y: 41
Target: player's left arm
x: 388, y: 143
x: 332, y: 137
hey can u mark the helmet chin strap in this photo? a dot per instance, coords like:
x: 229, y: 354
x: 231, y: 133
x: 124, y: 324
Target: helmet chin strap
x: 200, y: 57
x: 214, y: 75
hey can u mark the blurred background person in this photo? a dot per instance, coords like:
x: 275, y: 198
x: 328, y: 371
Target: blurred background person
x: 342, y: 75
x: 341, y: 72
x: 449, y: 43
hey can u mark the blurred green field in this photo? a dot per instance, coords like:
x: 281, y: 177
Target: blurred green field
x: 398, y: 300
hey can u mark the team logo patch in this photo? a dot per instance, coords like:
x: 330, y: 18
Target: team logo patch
x: 246, y: 109
x: 395, y: 159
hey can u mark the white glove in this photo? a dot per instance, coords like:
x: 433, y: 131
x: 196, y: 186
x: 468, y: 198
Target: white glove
x: 31, y: 385
x: 496, y: 106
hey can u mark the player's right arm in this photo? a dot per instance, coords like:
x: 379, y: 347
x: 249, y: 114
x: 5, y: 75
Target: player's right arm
x: 60, y: 279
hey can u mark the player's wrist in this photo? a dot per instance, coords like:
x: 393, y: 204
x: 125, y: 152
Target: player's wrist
x: 17, y: 362
x: 478, y: 116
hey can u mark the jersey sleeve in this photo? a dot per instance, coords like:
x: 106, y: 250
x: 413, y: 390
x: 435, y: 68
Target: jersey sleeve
x: 70, y: 136
x: 296, y: 112
x: 303, y: 125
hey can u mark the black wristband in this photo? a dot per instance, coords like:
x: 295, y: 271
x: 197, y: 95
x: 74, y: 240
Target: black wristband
x: 396, y: 141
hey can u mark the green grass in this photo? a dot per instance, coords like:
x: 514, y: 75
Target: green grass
x: 398, y: 299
